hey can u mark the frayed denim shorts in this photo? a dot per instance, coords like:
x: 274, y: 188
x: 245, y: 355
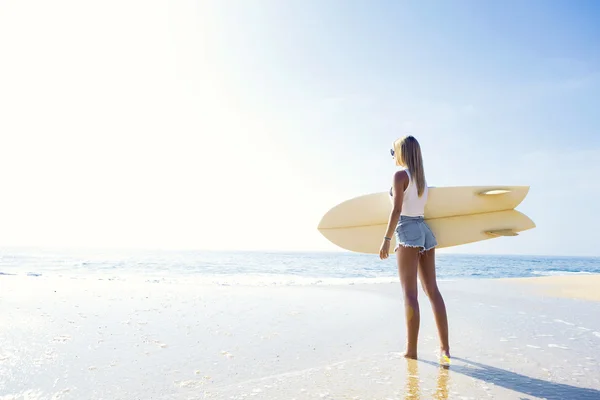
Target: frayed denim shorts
x: 414, y: 232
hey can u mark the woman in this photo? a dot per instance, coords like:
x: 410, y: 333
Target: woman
x: 415, y: 250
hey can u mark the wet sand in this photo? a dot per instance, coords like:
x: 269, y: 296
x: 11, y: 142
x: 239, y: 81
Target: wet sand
x: 100, y: 339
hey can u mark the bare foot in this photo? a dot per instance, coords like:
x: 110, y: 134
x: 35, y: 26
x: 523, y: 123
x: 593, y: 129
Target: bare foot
x: 410, y: 354
x: 445, y: 356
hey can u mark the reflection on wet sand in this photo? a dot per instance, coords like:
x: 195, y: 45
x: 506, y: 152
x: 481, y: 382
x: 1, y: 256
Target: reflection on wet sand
x: 413, y: 389
x: 441, y: 390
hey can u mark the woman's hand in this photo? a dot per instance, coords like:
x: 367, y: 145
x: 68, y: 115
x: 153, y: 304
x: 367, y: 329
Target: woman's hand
x: 384, y: 251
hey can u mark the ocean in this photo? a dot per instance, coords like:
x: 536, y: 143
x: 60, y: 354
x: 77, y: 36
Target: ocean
x: 271, y: 268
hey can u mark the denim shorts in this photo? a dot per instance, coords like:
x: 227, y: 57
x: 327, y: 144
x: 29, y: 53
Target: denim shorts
x: 414, y: 232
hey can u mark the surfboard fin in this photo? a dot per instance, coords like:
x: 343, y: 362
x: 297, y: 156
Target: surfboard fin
x: 502, y: 232
x: 493, y: 192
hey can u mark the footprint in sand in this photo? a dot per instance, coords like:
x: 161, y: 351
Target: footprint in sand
x: 50, y: 355
x: 227, y: 354
x: 191, y: 384
x: 61, y: 339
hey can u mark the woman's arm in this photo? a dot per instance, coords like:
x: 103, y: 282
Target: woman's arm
x: 399, y: 184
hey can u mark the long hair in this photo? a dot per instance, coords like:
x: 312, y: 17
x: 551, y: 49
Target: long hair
x: 407, y: 153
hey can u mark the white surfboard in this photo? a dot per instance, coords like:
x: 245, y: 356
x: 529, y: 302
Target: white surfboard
x: 456, y: 215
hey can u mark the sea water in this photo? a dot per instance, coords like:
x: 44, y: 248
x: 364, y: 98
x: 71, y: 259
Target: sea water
x: 271, y: 268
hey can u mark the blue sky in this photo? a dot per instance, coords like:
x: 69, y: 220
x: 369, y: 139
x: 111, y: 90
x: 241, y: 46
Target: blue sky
x: 236, y: 124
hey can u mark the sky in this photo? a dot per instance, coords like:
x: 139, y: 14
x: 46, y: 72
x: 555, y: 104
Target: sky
x: 236, y: 125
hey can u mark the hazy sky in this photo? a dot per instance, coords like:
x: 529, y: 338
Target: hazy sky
x: 237, y: 124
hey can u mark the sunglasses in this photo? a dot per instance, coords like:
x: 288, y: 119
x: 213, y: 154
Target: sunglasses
x: 393, y: 152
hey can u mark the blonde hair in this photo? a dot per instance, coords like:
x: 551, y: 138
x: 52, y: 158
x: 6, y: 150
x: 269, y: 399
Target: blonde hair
x: 407, y: 153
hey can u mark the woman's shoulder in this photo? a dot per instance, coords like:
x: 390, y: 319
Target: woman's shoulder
x: 401, y: 175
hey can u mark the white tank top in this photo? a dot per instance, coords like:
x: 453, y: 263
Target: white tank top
x: 412, y: 204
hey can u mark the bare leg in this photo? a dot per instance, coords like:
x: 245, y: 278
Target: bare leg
x: 408, y: 261
x: 428, y: 280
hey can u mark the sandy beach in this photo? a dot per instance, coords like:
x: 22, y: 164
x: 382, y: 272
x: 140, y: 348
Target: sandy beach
x: 101, y: 339
x: 585, y: 286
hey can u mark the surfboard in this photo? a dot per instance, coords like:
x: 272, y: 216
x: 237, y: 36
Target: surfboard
x: 456, y: 215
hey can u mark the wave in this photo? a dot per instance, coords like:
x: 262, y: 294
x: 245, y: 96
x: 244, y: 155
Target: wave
x: 560, y: 272
x: 247, y: 280
x: 287, y: 280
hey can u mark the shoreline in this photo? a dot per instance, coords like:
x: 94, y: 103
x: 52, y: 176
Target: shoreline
x: 575, y: 285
